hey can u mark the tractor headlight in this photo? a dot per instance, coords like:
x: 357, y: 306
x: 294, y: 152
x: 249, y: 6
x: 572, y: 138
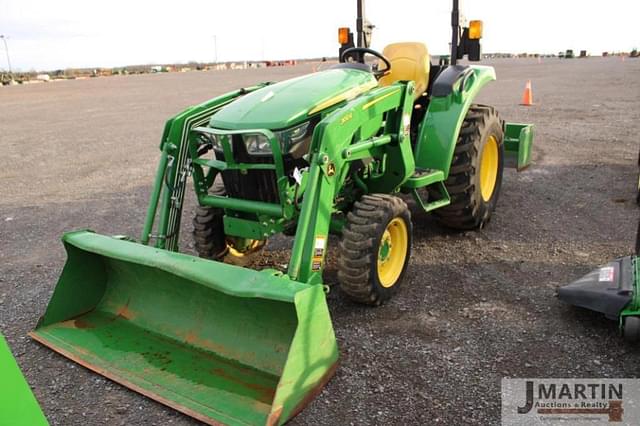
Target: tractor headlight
x: 257, y: 144
x: 290, y: 137
x: 290, y: 140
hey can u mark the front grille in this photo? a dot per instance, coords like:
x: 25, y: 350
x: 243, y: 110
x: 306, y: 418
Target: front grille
x: 255, y: 185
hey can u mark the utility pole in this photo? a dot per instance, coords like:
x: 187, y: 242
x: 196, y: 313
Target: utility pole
x: 6, y: 49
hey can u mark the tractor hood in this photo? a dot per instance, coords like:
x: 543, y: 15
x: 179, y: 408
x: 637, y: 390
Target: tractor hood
x: 284, y: 104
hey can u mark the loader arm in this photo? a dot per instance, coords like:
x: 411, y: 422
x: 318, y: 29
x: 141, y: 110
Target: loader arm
x: 336, y: 144
x: 174, y: 168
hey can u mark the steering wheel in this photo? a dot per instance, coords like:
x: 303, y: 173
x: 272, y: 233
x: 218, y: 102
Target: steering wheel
x: 357, y: 54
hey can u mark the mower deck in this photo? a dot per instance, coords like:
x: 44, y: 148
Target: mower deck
x: 608, y: 289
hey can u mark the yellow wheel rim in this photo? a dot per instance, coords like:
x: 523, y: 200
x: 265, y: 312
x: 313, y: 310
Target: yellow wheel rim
x: 489, y: 168
x: 392, y: 252
x: 252, y: 247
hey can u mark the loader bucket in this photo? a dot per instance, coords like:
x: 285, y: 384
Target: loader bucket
x: 220, y: 343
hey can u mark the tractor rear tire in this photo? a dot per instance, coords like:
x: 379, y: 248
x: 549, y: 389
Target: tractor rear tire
x: 475, y: 176
x: 375, y: 248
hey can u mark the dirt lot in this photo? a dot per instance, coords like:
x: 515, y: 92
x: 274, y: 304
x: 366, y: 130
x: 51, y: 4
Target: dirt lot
x: 475, y: 307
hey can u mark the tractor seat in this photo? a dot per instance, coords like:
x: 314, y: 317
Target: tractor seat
x: 410, y: 61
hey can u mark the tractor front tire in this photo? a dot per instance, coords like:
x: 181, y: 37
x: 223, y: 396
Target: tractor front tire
x: 476, y: 170
x: 375, y: 248
x: 208, y: 228
x: 211, y: 241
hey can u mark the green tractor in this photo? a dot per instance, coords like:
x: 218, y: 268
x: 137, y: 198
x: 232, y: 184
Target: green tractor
x: 327, y: 153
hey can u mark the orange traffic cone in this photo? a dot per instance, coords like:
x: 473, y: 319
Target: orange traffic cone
x: 527, y: 97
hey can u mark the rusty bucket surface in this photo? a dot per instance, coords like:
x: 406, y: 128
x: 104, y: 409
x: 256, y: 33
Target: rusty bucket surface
x: 220, y: 343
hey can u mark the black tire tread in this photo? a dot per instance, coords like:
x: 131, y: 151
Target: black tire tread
x: 208, y: 228
x: 465, y: 212
x: 360, y: 241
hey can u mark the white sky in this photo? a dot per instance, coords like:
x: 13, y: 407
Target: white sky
x: 58, y: 34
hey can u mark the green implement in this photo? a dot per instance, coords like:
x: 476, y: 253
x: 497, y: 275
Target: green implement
x: 18, y: 406
x: 242, y: 347
x: 518, y: 141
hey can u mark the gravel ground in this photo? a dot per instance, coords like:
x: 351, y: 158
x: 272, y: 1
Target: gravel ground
x: 475, y: 306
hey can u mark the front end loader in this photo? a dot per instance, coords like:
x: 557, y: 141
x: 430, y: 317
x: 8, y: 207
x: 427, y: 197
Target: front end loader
x: 334, y: 152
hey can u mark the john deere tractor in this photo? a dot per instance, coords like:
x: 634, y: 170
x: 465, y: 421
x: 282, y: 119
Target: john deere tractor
x: 333, y: 152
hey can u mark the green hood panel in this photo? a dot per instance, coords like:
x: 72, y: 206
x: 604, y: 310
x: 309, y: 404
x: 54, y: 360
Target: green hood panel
x: 284, y: 104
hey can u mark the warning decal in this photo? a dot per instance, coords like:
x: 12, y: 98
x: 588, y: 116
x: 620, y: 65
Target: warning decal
x: 318, y: 253
x: 607, y: 274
